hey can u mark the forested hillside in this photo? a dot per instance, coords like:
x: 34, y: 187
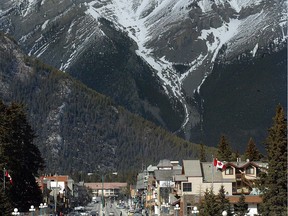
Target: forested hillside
x: 79, y: 129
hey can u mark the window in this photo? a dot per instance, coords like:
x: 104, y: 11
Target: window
x: 250, y: 170
x: 229, y: 171
x: 187, y: 187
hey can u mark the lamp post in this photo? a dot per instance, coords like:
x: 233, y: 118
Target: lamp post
x: 102, y: 189
x: 41, y: 207
x: 45, y: 206
x: 224, y: 213
x: 32, y: 210
x: 15, y: 212
x: 176, y: 209
x: 195, y: 211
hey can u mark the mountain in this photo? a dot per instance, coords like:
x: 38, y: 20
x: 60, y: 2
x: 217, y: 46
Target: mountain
x: 156, y: 58
x: 78, y: 129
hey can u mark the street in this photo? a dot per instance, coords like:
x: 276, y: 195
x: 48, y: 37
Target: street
x: 109, y: 209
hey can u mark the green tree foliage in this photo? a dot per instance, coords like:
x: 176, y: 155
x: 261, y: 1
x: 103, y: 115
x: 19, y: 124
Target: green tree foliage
x: 202, y: 153
x: 5, y: 204
x: 241, y: 206
x: 209, y: 206
x: 224, y: 152
x: 78, y: 129
x: 275, y: 182
x: 20, y: 156
x: 252, y: 152
x: 223, y: 202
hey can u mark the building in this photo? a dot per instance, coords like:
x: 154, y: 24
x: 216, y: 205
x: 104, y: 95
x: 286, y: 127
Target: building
x: 110, y: 189
x: 164, y: 186
x: 57, y: 190
x: 198, y: 176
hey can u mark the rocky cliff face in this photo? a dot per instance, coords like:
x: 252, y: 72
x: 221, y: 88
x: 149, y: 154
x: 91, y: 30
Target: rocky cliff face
x: 170, y: 46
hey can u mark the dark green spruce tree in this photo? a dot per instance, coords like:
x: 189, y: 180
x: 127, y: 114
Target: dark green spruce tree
x: 202, y: 153
x: 224, y: 152
x: 209, y: 205
x: 252, y: 153
x: 223, y: 202
x: 241, y: 206
x: 275, y: 182
x: 20, y: 156
x: 5, y: 204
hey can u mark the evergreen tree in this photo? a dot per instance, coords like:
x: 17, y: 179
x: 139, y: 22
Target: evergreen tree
x: 223, y: 202
x: 224, y: 152
x: 209, y: 205
x: 241, y: 206
x: 275, y: 182
x: 22, y: 158
x: 252, y: 152
x: 5, y: 204
x: 202, y: 153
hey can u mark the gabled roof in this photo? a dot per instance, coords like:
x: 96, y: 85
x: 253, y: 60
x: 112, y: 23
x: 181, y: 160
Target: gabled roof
x: 164, y: 163
x: 166, y: 175
x: 180, y: 178
x: 245, y: 164
x: 210, y: 173
x: 192, y: 168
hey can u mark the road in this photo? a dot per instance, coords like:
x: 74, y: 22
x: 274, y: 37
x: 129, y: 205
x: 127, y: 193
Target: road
x: 109, y: 207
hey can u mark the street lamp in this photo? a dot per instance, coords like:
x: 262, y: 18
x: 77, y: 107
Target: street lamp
x: 195, y: 210
x: 102, y: 194
x: 15, y: 212
x: 224, y: 213
x: 32, y: 210
x: 41, y: 207
x: 176, y: 209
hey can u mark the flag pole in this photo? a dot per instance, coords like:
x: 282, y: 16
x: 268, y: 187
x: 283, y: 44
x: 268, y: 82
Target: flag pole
x: 212, y: 171
x: 4, y: 179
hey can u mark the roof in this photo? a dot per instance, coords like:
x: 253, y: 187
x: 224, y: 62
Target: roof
x: 211, y: 174
x: 245, y: 164
x: 166, y: 175
x: 151, y: 168
x: 106, y: 185
x: 180, y: 178
x: 248, y: 199
x: 164, y: 163
x: 192, y: 168
x: 60, y: 178
x: 140, y: 184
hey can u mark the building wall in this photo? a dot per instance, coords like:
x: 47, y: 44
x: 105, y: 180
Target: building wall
x: 199, y: 188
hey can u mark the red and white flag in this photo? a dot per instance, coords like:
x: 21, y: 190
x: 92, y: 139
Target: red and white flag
x: 7, y: 175
x: 219, y: 165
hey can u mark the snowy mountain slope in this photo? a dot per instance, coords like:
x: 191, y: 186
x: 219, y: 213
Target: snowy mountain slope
x: 179, y: 39
x: 241, y: 25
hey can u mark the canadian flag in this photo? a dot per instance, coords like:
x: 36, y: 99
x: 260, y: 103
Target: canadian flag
x: 219, y: 165
x: 7, y: 175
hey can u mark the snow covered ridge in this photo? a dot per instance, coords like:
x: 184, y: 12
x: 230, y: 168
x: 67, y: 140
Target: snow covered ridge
x: 242, y: 25
x: 188, y: 33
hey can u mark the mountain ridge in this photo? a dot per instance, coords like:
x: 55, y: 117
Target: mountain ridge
x: 178, y: 42
x: 78, y: 129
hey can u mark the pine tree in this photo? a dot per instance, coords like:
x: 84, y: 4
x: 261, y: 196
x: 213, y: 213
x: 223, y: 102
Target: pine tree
x: 5, y: 204
x: 22, y: 158
x: 209, y: 205
x: 223, y: 202
x: 241, y: 206
x: 252, y: 152
x: 275, y: 182
x: 224, y: 152
x: 202, y: 153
